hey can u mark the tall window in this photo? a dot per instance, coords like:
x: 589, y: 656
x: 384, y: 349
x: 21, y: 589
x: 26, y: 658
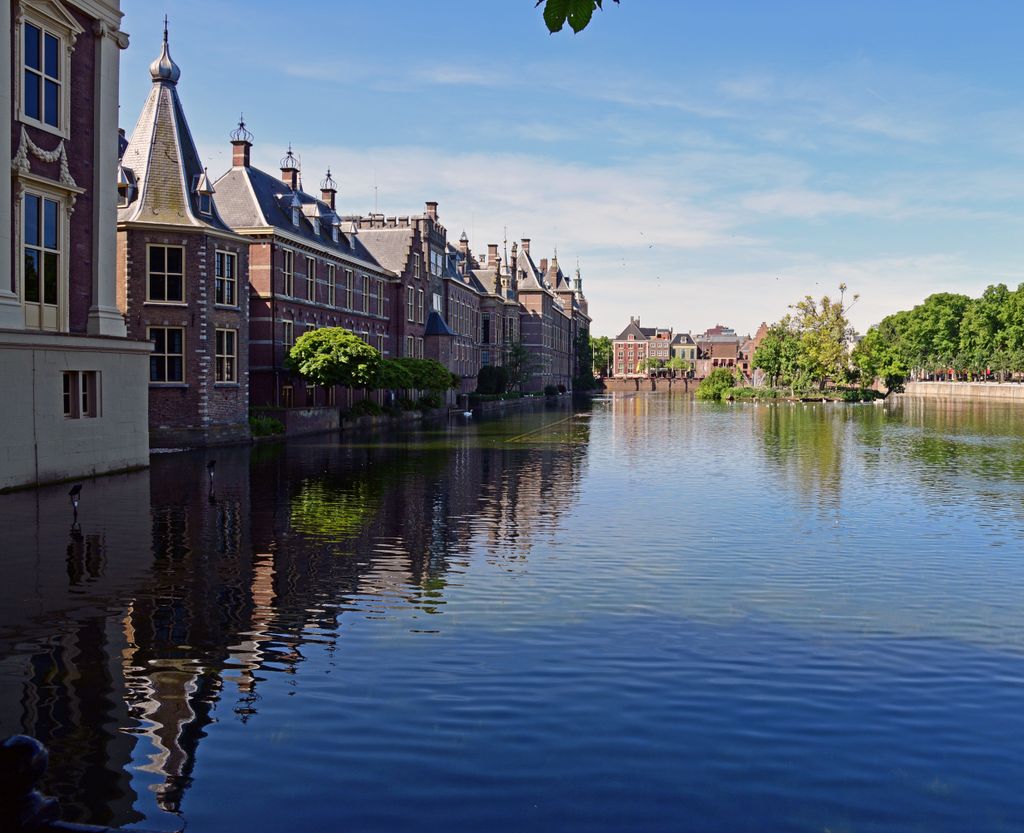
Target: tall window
x: 332, y: 289
x: 226, y: 281
x: 288, y: 333
x: 288, y: 272
x: 81, y: 393
x: 227, y: 356
x: 419, y: 306
x: 42, y: 259
x: 311, y: 278
x: 419, y: 348
x: 416, y: 265
x: 348, y: 288
x: 366, y: 293
x: 166, y: 274
x: 410, y: 303
x: 167, y: 361
x: 410, y: 346
x: 42, y: 60
x: 287, y: 396
x: 380, y: 298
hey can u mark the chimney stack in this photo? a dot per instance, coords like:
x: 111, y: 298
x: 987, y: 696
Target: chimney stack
x: 464, y: 244
x: 290, y: 169
x: 329, y: 190
x: 241, y: 144
x: 525, y: 244
x: 543, y: 265
x: 492, y: 253
x: 432, y: 210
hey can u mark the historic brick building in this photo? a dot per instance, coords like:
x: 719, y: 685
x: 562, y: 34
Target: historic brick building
x: 635, y: 344
x: 184, y: 277
x: 307, y: 269
x: 499, y: 307
x: 544, y: 324
x: 77, y: 384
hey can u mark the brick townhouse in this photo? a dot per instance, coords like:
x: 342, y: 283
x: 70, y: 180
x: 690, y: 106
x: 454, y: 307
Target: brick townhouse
x: 307, y: 269
x: 76, y: 383
x: 184, y: 277
x: 636, y: 343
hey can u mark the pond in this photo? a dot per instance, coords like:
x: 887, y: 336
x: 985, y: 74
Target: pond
x: 642, y: 613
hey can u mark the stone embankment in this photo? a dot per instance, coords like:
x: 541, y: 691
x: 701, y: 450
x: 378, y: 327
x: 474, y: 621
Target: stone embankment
x: 1005, y: 391
x: 650, y: 385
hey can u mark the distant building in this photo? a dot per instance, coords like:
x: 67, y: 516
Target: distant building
x: 635, y: 344
x: 79, y: 384
x: 684, y: 347
x: 545, y: 326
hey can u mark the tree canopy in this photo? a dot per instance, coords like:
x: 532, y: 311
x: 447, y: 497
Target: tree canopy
x: 335, y: 356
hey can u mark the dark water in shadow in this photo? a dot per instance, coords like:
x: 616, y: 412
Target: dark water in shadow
x: 651, y: 614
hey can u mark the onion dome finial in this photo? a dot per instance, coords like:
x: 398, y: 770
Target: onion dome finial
x: 164, y: 68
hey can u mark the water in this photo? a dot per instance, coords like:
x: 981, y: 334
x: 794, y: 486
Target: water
x: 650, y: 614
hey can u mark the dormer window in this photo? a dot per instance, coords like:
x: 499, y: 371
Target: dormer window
x: 316, y: 226
x: 204, y: 191
x: 295, y: 217
x: 205, y: 204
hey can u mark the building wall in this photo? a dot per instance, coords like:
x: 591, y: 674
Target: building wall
x: 38, y: 443
x: 198, y: 411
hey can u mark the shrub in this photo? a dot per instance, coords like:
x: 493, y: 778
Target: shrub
x: 406, y: 404
x: 550, y: 390
x: 366, y: 407
x: 563, y: 389
x: 430, y: 401
x: 715, y: 384
x: 263, y: 426
x: 492, y: 380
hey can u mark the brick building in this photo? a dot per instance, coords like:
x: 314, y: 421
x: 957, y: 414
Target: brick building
x: 575, y: 304
x: 635, y: 344
x: 184, y: 277
x: 307, y: 269
x: 545, y: 326
x: 76, y: 384
x: 499, y: 307
x: 684, y: 347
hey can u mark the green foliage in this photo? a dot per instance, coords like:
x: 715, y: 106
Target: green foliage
x: 778, y: 354
x: 406, y: 404
x: 425, y: 374
x: 335, y: 356
x: 715, y: 384
x: 601, y: 350
x: 366, y: 407
x: 492, y: 380
x: 264, y: 426
x: 824, y: 331
x: 584, y: 353
x: 648, y: 364
x: 577, y: 13
x: 394, y: 375
x: 429, y: 402
x: 521, y: 365
x: 550, y: 390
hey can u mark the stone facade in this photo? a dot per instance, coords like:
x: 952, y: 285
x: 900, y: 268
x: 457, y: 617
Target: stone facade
x: 80, y: 408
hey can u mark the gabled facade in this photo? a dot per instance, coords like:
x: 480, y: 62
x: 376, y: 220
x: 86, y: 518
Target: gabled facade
x: 184, y: 277
x: 635, y: 344
x: 307, y: 269
x: 499, y: 307
x: 78, y: 385
x: 545, y: 326
x: 684, y: 347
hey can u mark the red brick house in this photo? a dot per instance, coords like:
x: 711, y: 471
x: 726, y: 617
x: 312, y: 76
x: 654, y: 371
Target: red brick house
x: 307, y: 269
x: 183, y: 277
x: 76, y: 384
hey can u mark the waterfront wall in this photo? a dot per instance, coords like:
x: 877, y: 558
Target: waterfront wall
x: 613, y: 385
x: 1007, y: 392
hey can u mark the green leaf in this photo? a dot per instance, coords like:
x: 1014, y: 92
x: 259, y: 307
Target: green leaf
x: 580, y: 12
x: 555, y: 13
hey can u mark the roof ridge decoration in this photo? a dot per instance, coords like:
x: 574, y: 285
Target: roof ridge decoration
x: 241, y: 133
x: 163, y: 69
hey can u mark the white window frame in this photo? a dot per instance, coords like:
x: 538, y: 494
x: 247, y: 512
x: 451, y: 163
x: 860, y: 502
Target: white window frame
x: 332, y: 286
x: 287, y: 333
x: 35, y: 312
x: 54, y: 20
x: 184, y: 271
x: 311, y: 278
x: 288, y: 273
x: 380, y: 298
x: 349, y: 280
x: 420, y: 296
x: 410, y: 303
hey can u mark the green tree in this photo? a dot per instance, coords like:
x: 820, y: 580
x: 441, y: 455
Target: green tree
x: 335, y: 356
x: 713, y: 386
x: 394, y: 375
x: 577, y: 13
x: 678, y: 363
x: 878, y: 357
x: 983, y: 329
x: 601, y: 348
x: 521, y: 365
x: 778, y: 354
x: 584, y: 362
x: 427, y: 374
x: 824, y: 332
x: 492, y: 380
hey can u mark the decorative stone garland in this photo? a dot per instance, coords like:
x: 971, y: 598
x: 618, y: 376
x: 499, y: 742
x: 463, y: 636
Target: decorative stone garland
x: 21, y: 163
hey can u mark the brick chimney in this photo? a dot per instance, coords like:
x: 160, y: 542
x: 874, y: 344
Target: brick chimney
x: 525, y: 244
x: 241, y: 144
x: 492, y: 253
x: 432, y: 210
x: 290, y: 170
x: 329, y: 190
x: 543, y: 265
x: 464, y: 244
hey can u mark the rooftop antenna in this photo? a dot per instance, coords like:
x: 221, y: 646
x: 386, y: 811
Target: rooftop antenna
x: 506, y: 244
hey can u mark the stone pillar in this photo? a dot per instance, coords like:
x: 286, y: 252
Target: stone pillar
x: 11, y: 315
x: 104, y: 316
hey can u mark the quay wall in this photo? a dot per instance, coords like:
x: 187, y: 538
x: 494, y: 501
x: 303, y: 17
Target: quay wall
x: 1005, y: 391
x: 650, y: 385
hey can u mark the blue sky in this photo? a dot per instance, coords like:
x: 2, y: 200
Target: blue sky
x: 706, y: 165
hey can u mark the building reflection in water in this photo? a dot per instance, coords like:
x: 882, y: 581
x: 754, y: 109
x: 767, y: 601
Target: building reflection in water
x: 165, y: 607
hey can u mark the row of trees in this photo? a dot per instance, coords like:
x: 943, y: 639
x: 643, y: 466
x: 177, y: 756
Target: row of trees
x: 949, y: 336
x: 808, y: 347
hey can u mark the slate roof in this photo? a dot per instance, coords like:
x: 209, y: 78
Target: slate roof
x: 530, y: 277
x: 249, y: 198
x: 468, y: 277
x: 162, y: 162
x: 390, y: 246
x: 683, y: 338
x: 638, y: 333
x: 435, y: 325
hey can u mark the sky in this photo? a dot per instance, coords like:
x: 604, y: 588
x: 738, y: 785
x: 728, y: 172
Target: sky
x: 704, y: 163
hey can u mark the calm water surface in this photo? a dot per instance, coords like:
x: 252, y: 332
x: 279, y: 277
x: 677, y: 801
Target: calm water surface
x: 648, y: 615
